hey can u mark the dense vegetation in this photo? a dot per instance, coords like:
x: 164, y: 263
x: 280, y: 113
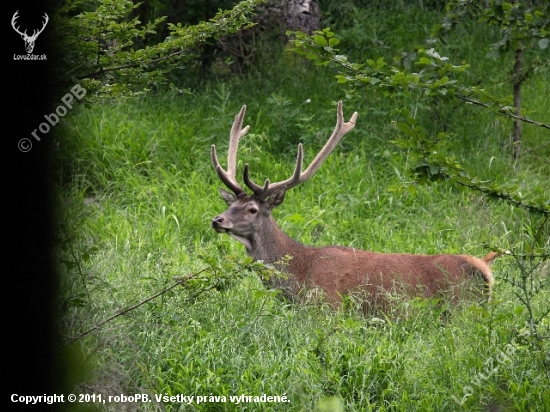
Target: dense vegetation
x: 136, y: 192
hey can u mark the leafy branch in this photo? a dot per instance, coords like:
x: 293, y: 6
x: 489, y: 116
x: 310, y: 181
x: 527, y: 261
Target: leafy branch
x: 524, y: 32
x: 100, y: 42
x: 513, y: 116
x: 431, y: 166
x: 436, y: 77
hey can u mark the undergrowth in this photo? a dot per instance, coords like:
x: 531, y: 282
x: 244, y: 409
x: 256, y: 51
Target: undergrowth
x: 136, y: 192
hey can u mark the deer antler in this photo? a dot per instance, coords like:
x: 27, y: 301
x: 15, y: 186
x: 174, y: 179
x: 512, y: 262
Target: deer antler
x: 228, y: 177
x: 35, y: 35
x: 298, y: 176
x: 29, y: 40
x: 13, y: 19
x: 35, y: 32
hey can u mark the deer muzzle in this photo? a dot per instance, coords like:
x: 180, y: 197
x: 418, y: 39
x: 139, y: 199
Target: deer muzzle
x: 220, y: 224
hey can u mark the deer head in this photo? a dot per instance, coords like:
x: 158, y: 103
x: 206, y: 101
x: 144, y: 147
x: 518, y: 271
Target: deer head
x: 29, y: 40
x: 249, y: 217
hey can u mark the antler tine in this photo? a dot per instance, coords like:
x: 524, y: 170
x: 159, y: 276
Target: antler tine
x: 256, y: 189
x: 339, y: 132
x: 265, y: 190
x: 43, y: 26
x: 14, y: 22
x: 228, y: 180
x: 228, y: 177
x: 298, y: 177
x: 234, y: 137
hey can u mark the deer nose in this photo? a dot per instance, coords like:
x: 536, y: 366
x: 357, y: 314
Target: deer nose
x: 217, y: 221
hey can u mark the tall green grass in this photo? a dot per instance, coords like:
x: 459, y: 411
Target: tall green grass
x: 136, y: 193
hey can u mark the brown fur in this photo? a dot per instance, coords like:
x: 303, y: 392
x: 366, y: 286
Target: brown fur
x: 340, y: 271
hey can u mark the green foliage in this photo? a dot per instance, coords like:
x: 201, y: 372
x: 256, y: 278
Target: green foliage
x: 430, y: 165
x: 437, y: 81
x: 524, y: 30
x: 523, y: 25
x: 137, y: 196
x: 190, y: 12
x: 136, y: 193
x: 101, y: 47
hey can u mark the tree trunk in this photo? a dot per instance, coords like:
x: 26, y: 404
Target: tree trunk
x: 302, y: 15
x: 518, y: 79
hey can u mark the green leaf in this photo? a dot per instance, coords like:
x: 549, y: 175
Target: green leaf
x: 340, y: 78
x: 543, y: 43
x: 404, y: 143
x: 69, y: 264
x: 424, y: 60
x: 398, y: 77
x: 405, y: 128
x: 411, y: 120
x: 320, y: 40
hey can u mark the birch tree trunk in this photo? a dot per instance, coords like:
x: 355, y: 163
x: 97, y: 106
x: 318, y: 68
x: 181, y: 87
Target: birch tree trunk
x: 302, y: 15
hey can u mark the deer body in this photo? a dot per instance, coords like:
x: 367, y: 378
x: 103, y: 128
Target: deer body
x: 336, y: 270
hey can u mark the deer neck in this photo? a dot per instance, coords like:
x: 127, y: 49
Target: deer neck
x: 271, y: 244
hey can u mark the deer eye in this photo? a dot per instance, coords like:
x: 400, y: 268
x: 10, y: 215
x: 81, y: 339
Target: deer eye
x: 253, y: 210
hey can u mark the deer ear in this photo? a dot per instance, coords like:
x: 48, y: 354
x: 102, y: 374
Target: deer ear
x: 276, y: 198
x: 228, y: 197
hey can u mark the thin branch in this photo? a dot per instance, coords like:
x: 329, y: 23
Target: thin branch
x: 124, y: 311
x: 489, y: 192
x: 130, y: 65
x: 523, y: 119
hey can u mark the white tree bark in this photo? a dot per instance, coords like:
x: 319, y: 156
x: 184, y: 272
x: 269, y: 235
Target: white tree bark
x: 302, y: 15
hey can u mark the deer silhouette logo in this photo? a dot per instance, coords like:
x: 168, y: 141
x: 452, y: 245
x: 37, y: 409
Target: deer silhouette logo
x: 29, y: 40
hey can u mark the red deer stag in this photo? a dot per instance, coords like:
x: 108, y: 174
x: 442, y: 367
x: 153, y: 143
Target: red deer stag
x: 336, y: 270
